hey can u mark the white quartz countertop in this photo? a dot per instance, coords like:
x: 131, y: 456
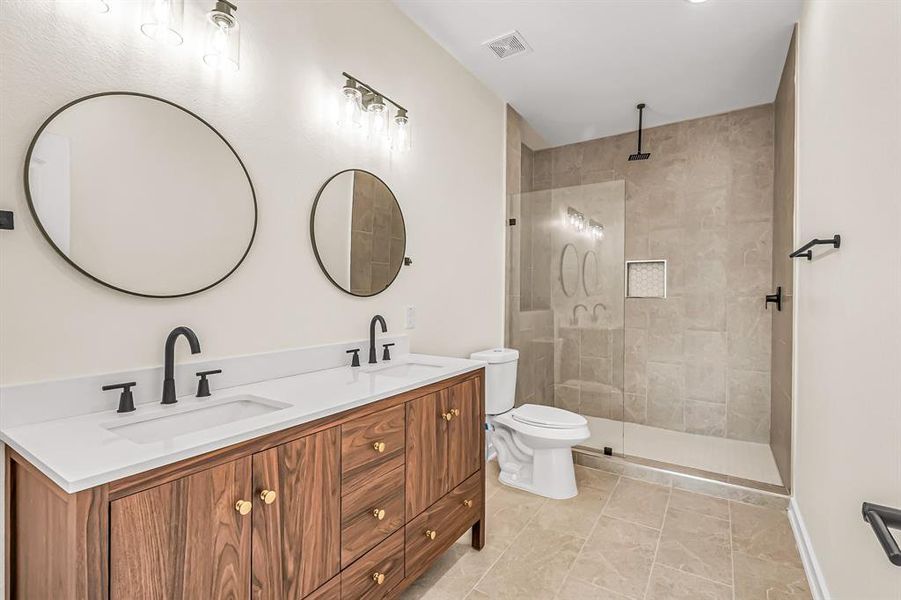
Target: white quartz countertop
x: 84, y: 451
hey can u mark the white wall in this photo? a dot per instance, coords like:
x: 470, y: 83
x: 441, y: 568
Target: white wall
x: 848, y: 322
x: 278, y: 114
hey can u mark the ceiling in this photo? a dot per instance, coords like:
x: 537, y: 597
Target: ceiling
x: 593, y: 61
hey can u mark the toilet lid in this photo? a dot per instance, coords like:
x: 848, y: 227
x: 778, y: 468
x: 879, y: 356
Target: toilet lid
x: 547, y: 416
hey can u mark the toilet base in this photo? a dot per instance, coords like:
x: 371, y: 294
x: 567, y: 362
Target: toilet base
x: 550, y: 474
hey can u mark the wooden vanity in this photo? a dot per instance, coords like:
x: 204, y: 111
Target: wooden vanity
x: 353, y: 506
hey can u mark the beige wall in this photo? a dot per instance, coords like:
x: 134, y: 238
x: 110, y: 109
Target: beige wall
x: 278, y: 114
x: 848, y: 322
x: 698, y: 361
x: 783, y: 245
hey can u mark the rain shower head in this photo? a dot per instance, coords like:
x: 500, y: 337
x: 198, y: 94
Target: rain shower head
x: 640, y: 155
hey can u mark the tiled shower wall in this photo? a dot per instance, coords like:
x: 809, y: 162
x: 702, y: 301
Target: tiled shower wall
x: 699, y: 360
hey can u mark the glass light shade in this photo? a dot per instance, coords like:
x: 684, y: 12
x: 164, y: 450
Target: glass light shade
x: 349, y: 108
x: 377, y: 112
x: 163, y: 21
x: 101, y: 6
x: 223, y: 39
x: 402, y: 137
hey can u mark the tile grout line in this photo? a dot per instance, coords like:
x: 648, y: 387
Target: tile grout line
x: 588, y: 537
x: 731, y: 550
x: 510, y: 545
x: 647, y: 586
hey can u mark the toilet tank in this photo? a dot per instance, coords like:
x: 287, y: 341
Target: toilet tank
x: 500, y: 378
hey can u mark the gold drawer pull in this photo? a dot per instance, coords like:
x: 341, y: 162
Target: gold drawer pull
x: 431, y: 534
x: 379, y: 447
x: 467, y: 503
x: 378, y: 513
x: 243, y: 507
x: 268, y: 496
x: 378, y: 578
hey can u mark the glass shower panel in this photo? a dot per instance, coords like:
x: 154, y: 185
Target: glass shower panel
x: 567, y: 303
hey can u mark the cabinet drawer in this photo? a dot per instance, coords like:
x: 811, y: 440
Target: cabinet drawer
x: 371, y: 445
x: 361, y: 529
x: 376, y: 573
x: 447, y: 519
x: 328, y: 591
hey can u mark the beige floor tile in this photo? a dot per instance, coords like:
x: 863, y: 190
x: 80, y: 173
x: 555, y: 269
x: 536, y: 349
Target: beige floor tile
x: 575, y: 589
x: 763, y: 533
x: 533, y: 567
x: 638, y: 502
x: 477, y: 595
x: 508, y: 511
x: 618, y: 557
x: 699, y: 503
x: 592, y: 478
x: 456, y: 572
x: 696, y: 544
x: 671, y: 584
x: 575, y: 516
x: 757, y: 579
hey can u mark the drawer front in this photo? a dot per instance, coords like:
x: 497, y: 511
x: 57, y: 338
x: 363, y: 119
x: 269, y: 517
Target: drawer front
x: 448, y: 519
x: 361, y: 527
x: 328, y: 591
x: 376, y: 573
x: 372, y: 444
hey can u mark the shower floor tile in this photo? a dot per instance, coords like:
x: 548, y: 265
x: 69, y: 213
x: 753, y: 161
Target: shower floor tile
x: 747, y: 460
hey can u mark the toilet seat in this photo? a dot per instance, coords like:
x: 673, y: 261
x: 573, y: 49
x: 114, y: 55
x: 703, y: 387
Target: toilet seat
x: 547, y: 416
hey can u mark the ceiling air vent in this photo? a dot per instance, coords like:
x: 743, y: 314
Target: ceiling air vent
x: 508, y: 45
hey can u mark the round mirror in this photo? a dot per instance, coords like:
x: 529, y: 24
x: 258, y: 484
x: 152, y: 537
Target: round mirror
x: 358, y: 234
x: 569, y: 269
x: 590, y: 277
x: 140, y: 195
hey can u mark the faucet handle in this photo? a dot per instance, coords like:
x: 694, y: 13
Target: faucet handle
x: 126, y: 398
x: 203, y: 386
x: 355, y: 362
x: 386, y: 354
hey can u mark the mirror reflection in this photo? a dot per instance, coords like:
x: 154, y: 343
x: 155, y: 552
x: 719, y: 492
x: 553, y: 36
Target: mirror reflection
x: 140, y: 195
x: 358, y: 233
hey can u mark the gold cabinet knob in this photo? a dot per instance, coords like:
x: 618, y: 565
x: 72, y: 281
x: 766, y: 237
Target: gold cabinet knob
x: 431, y: 534
x: 455, y: 411
x: 378, y: 513
x: 378, y: 447
x: 447, y: 416
x: 378, y: 578
x: 268, y: 496
x: 467, y: 503
x: 243, y: 507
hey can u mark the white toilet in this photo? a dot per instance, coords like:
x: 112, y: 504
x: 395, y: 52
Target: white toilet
x: 533, y: 443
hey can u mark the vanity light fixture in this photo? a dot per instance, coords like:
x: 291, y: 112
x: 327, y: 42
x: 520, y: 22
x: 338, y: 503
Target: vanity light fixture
x: 349, y: 117
x: 358, y: 97
x: 163, y: 20
x: 223, y: 38
x: 575, y: 219
x: 595, y: 229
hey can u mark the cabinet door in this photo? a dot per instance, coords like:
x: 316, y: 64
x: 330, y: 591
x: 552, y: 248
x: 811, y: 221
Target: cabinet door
x: 184, y: 539
x: 426, y: 452
x: 464, y: 439
x: 296, y: 538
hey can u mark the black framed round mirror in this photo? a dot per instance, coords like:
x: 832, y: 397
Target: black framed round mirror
x: 358, y: 233
x: 140, y: 194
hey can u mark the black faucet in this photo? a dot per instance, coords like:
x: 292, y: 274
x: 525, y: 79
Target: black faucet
x: 169, y: 378
x: 376, y: 319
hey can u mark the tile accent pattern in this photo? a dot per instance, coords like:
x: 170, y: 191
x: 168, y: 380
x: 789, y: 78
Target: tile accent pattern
x: 620, y: 539
x: 646, y: 279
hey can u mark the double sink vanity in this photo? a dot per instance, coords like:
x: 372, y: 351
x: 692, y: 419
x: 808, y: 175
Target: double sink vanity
x: 335, y: 483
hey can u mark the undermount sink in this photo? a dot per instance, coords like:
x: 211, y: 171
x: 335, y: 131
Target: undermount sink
x: 410, y: 369
x: 158, y: 427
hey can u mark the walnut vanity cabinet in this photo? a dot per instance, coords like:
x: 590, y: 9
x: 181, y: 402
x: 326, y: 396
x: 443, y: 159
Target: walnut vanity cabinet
x: 354, y: 506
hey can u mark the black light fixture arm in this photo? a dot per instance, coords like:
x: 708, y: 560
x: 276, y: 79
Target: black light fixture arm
x: 806, y: 252
x: 372, y: 90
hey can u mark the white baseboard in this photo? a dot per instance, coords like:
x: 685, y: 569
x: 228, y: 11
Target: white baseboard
x: 809, y: 559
